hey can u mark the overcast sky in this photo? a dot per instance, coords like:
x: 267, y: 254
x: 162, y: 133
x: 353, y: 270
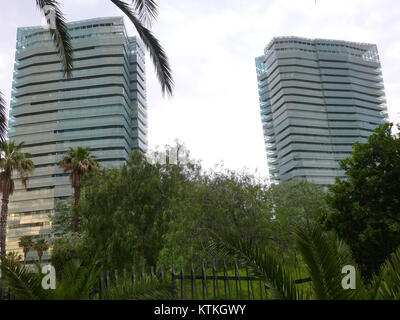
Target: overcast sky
x: 212, y: 45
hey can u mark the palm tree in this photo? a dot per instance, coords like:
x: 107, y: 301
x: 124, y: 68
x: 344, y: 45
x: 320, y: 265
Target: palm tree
x: 26, y: 243
x: 40, y: 246
x: 140, y: 12
x: 78, y: 161
x: 12, y: 160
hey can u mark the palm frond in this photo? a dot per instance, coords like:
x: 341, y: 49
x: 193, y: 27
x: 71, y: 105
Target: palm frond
x: 23, y: 283
x: 263, y: 263
x: 325, y: 257
x: 77, y: 281
x: 60, y: 35
x: 157, y: 53
x: 386, y: 285
x: 142, y: 290
x: 146, y: 9
x: 3, y: 119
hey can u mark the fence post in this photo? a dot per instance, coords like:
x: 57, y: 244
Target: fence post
x: 133, y: 276
x: 162, y: 273
x: 248, y: 282
x: 227, y: 279
x: 116, y: 277
x: 101, y: 285
x: 152, y: 273
x: 174, y: 283
x: 108, y: 279
x: 183, y: 289
x: 193, y: 282
x: 240, y: 282
x: 205, y: 279
x: 215, y: 281
x: 143, y: 274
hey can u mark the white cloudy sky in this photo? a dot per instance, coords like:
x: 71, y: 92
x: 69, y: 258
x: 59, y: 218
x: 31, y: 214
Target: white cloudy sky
x: 212, y: 45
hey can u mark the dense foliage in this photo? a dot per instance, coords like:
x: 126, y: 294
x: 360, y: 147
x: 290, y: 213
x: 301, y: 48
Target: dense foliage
x: 367, y: 203
x: 163, y: 213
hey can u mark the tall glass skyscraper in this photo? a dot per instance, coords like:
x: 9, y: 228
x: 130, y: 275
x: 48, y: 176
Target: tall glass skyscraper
x: 317, y: 98
x: 103, y: 106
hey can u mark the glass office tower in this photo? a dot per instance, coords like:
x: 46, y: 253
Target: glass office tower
x: 103, y: 106
x: 317, y: 98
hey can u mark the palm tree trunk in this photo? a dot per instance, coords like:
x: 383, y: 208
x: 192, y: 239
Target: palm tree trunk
x: 40, y: 254
x: 3, y: 224
x: 25, y: 253
x: 75, y: 218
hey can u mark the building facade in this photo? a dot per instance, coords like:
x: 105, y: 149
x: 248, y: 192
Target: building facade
x: 317, y: 98
x: 103, y: 107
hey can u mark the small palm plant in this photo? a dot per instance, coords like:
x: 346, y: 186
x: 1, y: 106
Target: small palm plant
x: 324, y: 257
x: 26, y: 243
x: 40, y: 246
x: 76, y: 281
x: 12, y: 160
x: 78, y: 162
x: 146, y: 289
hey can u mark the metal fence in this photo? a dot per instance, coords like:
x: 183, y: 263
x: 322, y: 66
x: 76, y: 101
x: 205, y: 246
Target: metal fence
x: 6, y: 294
x: 200, y: 284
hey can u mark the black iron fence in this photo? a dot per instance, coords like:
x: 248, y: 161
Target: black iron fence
x: 200, y: 284
x: 6, y: 294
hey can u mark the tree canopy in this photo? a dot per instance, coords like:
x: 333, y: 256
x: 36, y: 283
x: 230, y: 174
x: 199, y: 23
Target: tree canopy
x: 367, y: 203
x: 166, y: 212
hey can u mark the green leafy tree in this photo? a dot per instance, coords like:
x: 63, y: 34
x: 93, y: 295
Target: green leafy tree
x: 26, y: 243
x: 78, y: 162
x: 367, y: 203
x: 126, y: 210
x: 61, y: 219
x: 40, y: 245
x: 12, y: 160
x: 223, y: 202
x: 294, y: 201
x: 71, y: 246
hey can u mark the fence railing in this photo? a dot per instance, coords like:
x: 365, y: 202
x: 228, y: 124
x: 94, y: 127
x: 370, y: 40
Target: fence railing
x: 6, y: 294
x: 202, y: 284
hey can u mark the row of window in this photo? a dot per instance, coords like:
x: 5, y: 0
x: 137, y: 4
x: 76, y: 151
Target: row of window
x: 320, y: 50
x: 319, y: 44
x: 16, y: 215
x: 113, y: 34
x: 70, y: 29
